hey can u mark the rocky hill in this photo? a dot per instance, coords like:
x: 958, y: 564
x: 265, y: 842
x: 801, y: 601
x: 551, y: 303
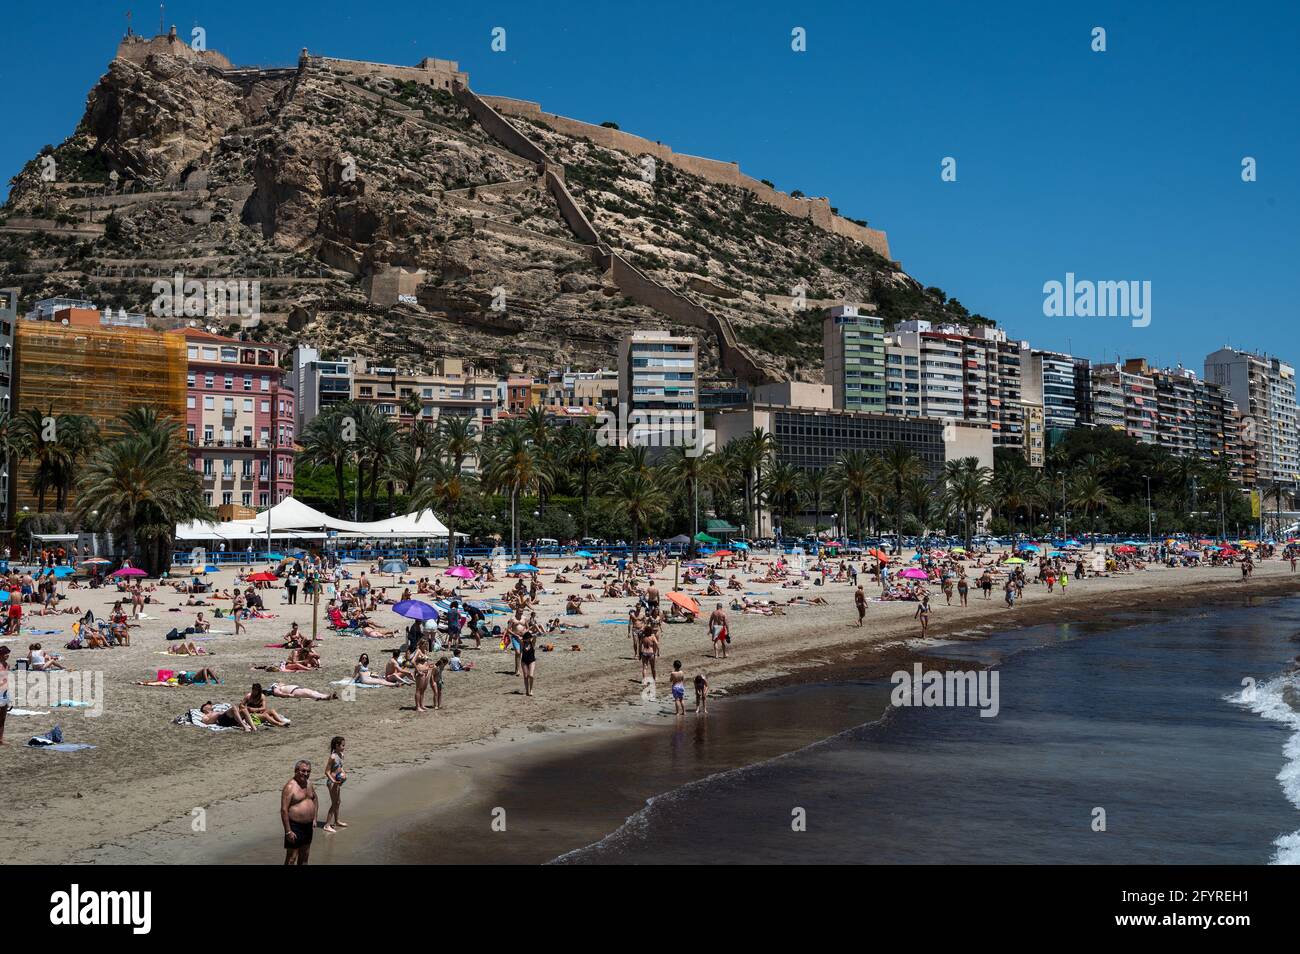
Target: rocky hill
x: 397, y: 218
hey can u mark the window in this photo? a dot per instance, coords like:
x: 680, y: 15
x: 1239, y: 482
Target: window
x: 248, y: 405
x: 248, y: 382
x: 208, y: 380
x: 209, y: 402
x: 266, y: 407
x: 227, y: 498
x: 263, y: 499
x: 189, y: 401
x: 230, y: 382
x: 266, y: 383
x: 189, y: 433
x: 189, y: 380
x: 207, y: 470
x: 246, y: 499
x: 207, y: 433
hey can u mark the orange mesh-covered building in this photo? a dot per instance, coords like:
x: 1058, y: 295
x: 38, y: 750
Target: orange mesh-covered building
x: 97, y: 370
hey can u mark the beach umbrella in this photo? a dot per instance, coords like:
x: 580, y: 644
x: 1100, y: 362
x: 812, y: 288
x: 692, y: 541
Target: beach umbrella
x: 392, y: 566
x: 461, y: 572
x: 685, y: 602
x: 275, y: 556
x: 522, y: 568
x: 263, y: 577
x: 130, y: 571
x: 722, y: 553
x: 1016, y: 560
x: 741, y: 545
x: 481, y: 605
x: 1029, y: 547
x: 415, y: 609
x: 878, y: 554
x: 914, y: 574
x: 587, y: 554
x: 703, y: 537
x: 1126, y: 549
x: 958, y: 549
x: 96, y: 561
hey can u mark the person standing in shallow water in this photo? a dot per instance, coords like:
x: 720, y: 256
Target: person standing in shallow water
x: 860, y: 600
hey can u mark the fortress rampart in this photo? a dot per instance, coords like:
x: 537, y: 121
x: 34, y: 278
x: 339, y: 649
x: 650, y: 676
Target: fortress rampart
x: 441, y: 74
x: 137, y: 49
x: 817, y: 210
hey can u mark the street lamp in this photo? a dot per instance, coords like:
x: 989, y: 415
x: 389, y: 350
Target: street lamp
x: 1149, y: 513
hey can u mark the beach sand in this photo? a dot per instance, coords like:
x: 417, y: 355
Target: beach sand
x: 154, y: 792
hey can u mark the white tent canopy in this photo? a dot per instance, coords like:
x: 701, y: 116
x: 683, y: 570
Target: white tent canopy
x: 293, y: 518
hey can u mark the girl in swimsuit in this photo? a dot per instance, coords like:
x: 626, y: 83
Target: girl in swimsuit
x: 335, y: 776
x: 528, y: 657
x: 438, y: 669
x: 678, y: 681
x: 287, y: 690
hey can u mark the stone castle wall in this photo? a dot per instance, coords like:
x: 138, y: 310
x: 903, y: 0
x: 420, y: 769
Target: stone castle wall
x: 137, y: 49
x: 817, y: 210
x: 441, y: 74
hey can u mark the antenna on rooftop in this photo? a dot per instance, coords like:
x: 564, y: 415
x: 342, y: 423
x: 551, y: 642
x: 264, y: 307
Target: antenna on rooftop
x: 160, y: 19
x: 128, y: 22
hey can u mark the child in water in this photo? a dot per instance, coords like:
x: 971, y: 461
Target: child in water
x: 701, y: 694
x: 678, y: 681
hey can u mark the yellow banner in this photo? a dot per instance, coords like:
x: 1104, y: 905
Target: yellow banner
x: 1254, y: 503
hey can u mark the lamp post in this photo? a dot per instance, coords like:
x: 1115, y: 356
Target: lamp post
x: 1065, y: 516
x: 1150, y: 516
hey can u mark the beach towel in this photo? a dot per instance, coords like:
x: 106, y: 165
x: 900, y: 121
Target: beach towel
x: 27, y: 712
x: 618, y: 621
x: 43, y: 632
x: 71, y: 704
x: 195, y: 718
x: 359, y: 685
x: 63, y: 746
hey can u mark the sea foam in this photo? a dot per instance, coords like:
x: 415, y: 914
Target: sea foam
x: 1269, y: 700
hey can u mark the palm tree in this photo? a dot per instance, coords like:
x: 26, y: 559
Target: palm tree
x: 784, y: 486
x: 457, y: 437
x: 514, y: 464
x: 78, y: 435
x: 765, y: 448
x: 817, y: 482
x: 443, y: 488
x: 140, y: 486
x: 692, y: 470
x: 1089, y: 492
x: 38, y: 443
x: 1219, y: 482
x: 582, y: 452
x: 639, y: 497
x: 900, y: 466
x: 966, y: 487
x: 325, y: 443
x: 919, y: 496
x: 378, y: 440
x: 851, y: 478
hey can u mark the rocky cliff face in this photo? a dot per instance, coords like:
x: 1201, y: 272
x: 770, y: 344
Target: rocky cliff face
x: 312, y: 182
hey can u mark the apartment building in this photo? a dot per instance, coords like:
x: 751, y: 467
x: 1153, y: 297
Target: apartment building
x: 1264, y: 389
x: 853, y: 353
x: 582, y: 389
x: 657, y: 383
x: 1125, y: 401
x: 8, y: 319
x: 240, y: 420
x: 955, y: 373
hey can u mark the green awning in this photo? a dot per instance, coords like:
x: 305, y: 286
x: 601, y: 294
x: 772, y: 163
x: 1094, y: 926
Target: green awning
x: 703, y: 537
x: 720, y: 526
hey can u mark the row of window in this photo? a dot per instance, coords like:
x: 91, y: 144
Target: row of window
x: 284, y: 408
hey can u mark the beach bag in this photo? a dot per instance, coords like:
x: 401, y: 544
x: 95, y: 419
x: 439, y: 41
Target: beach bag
x: 165, y: 674
x: 174, y: 635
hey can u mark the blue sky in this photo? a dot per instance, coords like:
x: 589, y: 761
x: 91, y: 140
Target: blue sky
x: 1122, y: 165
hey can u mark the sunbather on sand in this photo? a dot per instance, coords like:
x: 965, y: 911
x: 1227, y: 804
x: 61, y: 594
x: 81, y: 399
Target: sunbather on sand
x: 234, y: 717
x: 362, y: 676
x: 287, y: 690
x: 255, y: 705
x: 192, y: 677
x: 187, y: 649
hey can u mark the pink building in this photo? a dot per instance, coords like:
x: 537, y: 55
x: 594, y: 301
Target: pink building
x: 239, y: 421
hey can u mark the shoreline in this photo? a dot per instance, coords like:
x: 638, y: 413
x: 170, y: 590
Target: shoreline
x: 388, y: 798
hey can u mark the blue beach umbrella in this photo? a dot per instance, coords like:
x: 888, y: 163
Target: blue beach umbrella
x: 4, y: 596
x: 584, y: 553
x: 740, y: 546
x: 522, y: 568
x: 415, y: 609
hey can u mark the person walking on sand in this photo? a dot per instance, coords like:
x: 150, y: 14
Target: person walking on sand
x: 701, y: 694
x: 516, y: 629
x: 923, y: 613
x: 677, y: 679
x: 6, y: 693
x: 528, y: 658
x: 860, y: 600
x: 649, y: 651
x: 963, y: 589
x: 298, y: 814
x: 718, y: 629
x: 335, y: 776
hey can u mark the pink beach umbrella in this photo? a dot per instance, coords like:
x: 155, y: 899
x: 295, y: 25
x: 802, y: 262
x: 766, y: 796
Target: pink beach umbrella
x: 130, y: 571
x: 914, y: 574
x: 463, y: 572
